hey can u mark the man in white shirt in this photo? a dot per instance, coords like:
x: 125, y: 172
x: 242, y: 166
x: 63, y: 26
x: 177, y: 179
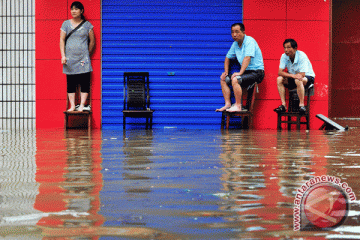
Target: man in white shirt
x: 299, y: 75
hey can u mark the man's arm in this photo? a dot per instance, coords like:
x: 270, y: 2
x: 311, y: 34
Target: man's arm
x: 284, y: 74
x: 226, y: 66
x: 226, y: 69
x: 245, y: 63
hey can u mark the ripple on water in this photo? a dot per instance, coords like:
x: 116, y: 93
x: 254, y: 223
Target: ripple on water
x: 167, y: 184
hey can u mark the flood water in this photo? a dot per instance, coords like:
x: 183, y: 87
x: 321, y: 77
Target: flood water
x: 168, y: 183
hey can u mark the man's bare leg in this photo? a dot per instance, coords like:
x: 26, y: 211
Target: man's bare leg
x: 281, y: 88
x: 238, y: 96
x: 226, y: 93
x: 301, y: 90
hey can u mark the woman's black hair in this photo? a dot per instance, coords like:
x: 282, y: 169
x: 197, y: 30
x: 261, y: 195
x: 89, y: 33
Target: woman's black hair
x: 80, y: 6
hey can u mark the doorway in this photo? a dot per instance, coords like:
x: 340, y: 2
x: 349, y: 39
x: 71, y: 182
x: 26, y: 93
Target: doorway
x: 345, y: 67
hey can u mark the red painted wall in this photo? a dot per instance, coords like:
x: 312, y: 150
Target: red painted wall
x: 50, y: 81
x: 270, y: 22
x: 345, y: 82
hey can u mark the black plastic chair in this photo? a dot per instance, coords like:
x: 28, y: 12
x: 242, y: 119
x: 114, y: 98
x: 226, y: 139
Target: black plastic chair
x: 137, y: 97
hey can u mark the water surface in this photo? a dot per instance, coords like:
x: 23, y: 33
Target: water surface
x: 168, y: 183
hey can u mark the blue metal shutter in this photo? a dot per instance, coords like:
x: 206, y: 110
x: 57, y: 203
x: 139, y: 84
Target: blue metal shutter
x: 181, y: 43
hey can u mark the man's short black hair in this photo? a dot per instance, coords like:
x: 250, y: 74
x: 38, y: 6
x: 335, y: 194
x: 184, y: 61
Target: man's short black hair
x: 242, y: 26
x: 292, y: 42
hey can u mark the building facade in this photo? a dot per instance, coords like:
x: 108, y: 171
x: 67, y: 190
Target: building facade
x: 182, y: 44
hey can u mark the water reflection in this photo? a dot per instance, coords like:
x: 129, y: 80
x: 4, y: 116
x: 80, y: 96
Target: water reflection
x: 130, y: 199
x: 137, y: 150
x: 70, y: 182
x: 251, y: 179
x: 343, y: 161
x: 18, y: 188
x: 262, y: 172
x: 167, y: 184
x: 300, y: 156
x: 83, y: 180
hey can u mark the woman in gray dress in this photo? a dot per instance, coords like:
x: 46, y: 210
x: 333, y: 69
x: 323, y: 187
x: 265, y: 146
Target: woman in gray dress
x: 75, y: 54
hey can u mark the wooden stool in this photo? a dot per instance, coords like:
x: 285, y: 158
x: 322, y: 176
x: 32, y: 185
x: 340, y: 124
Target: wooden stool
x: 293, y: 110
x: 246, y: 116
x: 78, y: 116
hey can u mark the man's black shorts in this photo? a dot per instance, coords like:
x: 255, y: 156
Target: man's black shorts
x: 248, y: 78
x: 292, y: 85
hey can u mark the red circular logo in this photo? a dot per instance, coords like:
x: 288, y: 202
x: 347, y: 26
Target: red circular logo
x: 325, y: 206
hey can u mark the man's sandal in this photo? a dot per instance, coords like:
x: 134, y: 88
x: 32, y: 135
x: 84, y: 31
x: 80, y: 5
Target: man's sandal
x: 280, y: 109
x: 302, y: 110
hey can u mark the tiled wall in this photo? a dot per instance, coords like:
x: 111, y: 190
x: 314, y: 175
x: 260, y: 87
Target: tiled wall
x: 17, y: 64
x: 270, y: 22
x: 50, y: 81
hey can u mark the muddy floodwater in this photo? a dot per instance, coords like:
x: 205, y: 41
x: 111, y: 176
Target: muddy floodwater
x: 169, y: 183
